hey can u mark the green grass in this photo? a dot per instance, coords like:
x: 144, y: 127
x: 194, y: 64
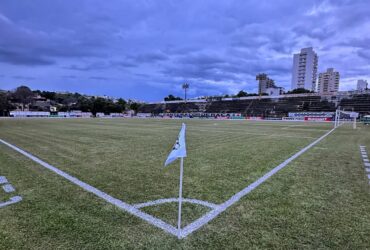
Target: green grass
x: 321, y: 200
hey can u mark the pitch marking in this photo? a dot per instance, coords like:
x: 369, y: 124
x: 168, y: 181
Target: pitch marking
x: 161, y: 201
x: 3, y: 180
x: 221, y: 208
x: 12, y: 200
x: 122, y: 205
x: 8, y: 188
x: 192, y: 227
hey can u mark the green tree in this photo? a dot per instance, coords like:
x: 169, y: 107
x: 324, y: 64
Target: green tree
x: 299, y: 91
x: 5, y: 105
x: 242, y: 94
x: 134, y: 106
x: 122, y: 103
x: 23, y: 95
x: 172, y: 98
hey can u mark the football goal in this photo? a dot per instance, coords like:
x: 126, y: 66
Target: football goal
x: 342, y: 117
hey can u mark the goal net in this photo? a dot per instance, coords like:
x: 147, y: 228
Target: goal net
x: 342, y: 117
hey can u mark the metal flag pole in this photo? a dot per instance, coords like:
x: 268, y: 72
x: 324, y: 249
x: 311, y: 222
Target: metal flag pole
x: 180, y: 198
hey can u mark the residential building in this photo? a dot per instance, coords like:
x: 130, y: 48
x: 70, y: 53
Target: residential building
x: 264, y: 82
x: 304, y: 73
x: 328, y: 82
x: 275, y: 91
x: 362, y: 85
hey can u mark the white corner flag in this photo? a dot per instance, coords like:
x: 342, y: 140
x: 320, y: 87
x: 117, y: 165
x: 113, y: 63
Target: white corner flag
x: 179, y: 149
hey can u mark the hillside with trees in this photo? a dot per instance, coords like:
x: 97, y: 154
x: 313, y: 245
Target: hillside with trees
x: 23, y: 98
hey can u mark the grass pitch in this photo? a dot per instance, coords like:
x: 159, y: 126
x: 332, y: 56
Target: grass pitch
x: 321, y: 200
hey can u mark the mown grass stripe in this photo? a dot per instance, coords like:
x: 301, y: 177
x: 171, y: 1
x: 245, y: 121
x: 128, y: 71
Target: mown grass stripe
x: 120, y: 204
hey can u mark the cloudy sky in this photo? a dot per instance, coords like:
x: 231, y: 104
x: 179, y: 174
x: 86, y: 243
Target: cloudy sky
x: 145, y: 49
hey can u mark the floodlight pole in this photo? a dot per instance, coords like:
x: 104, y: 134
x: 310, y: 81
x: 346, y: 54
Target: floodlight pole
x: 180, y: 198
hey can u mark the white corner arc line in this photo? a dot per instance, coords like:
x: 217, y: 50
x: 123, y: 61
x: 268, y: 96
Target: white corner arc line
x: 3, y: 180
x: 197, y: 224
x: 12, y: 200
x: 168, y: 200
x: 118, y: 203
x: 8, y: 188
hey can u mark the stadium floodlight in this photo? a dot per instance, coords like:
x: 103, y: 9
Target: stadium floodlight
x: 185, y: 87
x: 342, y: 117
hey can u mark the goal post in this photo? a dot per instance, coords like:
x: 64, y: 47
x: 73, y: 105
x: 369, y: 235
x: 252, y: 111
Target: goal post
x: 342, y: 117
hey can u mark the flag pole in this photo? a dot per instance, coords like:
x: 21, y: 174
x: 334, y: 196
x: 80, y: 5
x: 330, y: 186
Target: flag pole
x: 180, y: 197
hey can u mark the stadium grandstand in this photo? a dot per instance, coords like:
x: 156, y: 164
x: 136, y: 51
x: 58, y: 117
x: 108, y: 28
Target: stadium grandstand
x: 262, y: 106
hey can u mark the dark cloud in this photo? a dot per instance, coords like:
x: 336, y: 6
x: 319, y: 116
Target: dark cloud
x: 151, y: 57
x: 69, y: 76
x: 29, y: 78
x: 23, y: 58
x: 364, y: 53
x: 123, y: 64
x: 99, y: 78
x: 218, y: 46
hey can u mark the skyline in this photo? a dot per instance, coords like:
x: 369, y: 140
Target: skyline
x: 146, y: 50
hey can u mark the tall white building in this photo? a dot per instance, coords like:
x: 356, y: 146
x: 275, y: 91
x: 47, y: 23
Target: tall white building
x: 362, y: 85
x: 328, y: 82
x: 305, y: 69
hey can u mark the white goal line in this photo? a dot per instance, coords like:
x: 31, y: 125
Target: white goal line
x: 134, y: 210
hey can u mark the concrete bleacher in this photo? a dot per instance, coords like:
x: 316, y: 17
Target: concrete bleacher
x: 264, y: 106
x: 358, y: 103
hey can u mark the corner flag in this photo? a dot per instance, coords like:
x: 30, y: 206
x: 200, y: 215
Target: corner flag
x: 179, y: 149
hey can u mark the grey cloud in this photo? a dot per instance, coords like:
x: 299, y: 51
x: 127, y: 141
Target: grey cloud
x: 69, y: 76
x: 24, y: 77
x: 218, y: 45
x: 88, y: 67
x: 150, y: 57
x: 99, y: 78
x: 364, y: 53
x: 23, y: 58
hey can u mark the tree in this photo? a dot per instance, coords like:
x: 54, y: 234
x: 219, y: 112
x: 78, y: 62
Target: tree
x: 134, y: 106
x: 122, y: 103
x: 299, y: 91
x: 48, y: 95
x: 23, y: 95
x: 84, y: 104
x: 5, y: 105
x: 172, y: 98
x: 242, y: 94
x: 98, y: 105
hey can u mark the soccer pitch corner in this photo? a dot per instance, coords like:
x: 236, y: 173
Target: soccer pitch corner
x: 226, y: 161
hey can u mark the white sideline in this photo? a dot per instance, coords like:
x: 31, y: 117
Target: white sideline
x: 167, y: 200
x: 214, y: 213
x: 122, y: 205
x: 12, y: 200
x: 132, y: 209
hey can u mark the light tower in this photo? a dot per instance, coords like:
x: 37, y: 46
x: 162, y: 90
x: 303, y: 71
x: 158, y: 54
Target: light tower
x: 185, y: 86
